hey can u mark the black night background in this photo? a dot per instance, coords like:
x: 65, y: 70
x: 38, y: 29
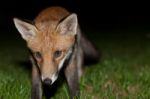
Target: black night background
x: 91, y: 14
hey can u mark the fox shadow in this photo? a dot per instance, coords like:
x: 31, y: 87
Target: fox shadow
x: 48, y: 91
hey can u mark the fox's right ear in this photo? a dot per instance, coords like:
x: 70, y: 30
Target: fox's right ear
x: 27, y: 30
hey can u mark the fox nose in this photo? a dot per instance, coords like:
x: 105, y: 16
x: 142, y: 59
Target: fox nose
x: 47, y: 81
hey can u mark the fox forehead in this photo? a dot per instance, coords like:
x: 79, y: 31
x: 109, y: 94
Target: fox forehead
x: 51, y: 41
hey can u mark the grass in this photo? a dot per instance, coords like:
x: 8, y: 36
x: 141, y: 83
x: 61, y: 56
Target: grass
x: 122, y: 73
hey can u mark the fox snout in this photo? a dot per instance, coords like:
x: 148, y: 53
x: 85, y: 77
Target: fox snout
x: 47, y: 81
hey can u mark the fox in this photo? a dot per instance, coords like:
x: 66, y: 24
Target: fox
x: 56, y: 44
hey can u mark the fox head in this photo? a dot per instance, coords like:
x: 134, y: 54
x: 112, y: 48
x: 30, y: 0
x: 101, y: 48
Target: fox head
x: 50, y: 49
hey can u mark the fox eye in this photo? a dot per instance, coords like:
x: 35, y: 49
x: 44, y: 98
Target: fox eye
x: 37, y: 54
x: 57, y: 53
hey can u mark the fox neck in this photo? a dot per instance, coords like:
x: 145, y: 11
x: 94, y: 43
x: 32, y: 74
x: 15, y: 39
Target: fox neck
x: 67, y: 57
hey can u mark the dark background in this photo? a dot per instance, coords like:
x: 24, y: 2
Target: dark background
x: 92, y: 14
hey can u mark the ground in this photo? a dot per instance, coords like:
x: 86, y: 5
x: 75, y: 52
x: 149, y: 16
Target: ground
x: 122, y: 73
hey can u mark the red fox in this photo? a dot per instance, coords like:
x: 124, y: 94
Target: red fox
x: 56, y: 42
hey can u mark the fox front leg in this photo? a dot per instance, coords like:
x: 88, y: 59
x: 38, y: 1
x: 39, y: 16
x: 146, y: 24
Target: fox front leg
x: 36, y: 84
x: 72, y: 78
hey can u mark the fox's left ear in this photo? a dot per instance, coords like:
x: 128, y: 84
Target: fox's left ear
x: 68, y: 25
x: 27, y: 30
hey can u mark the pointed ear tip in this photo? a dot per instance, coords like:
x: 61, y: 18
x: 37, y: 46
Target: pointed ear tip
x: 15, y: 19
x: 74, y: 15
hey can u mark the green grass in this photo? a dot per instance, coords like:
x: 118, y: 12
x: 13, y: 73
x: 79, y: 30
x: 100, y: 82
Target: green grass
x: 122, y: 73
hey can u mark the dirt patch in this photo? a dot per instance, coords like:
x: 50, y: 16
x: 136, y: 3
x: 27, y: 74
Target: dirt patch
x: 118, y: 90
